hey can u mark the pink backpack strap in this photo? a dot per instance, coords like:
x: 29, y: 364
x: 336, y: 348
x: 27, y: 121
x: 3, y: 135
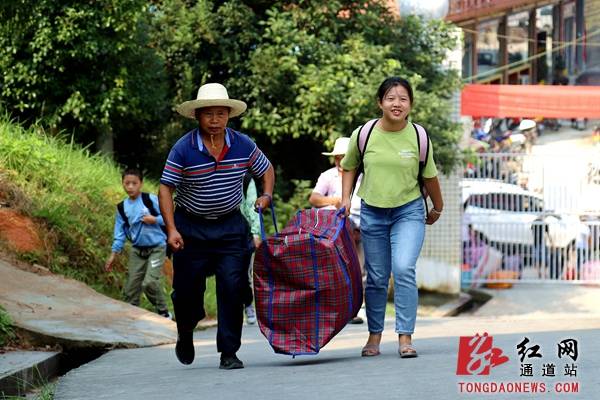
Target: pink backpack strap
x: 363, y: 135
x: 423, y: 143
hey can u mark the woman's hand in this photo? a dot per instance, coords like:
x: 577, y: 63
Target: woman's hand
x: 345, y: 203
x: 435, y: 194
x: 433, y: 216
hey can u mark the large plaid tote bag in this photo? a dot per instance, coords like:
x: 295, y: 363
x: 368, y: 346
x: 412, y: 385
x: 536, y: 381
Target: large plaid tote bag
x: 307, y: 281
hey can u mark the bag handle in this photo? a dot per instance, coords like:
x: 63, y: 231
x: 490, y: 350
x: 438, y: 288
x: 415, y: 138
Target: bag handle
x: 341, y: 215
x: 263, y: 234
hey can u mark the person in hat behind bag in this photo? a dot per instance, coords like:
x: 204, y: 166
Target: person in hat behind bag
x: 327, y: 194
x: 250, y: 195
x: 206, y: 230
x: 398, y: 164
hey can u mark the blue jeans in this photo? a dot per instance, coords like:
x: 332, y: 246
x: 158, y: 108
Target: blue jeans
x: 392, y: 240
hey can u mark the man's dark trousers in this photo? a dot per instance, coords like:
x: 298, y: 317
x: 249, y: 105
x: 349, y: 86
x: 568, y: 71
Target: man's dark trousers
x: 222, y: 247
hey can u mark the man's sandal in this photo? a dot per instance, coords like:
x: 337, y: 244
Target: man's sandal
x: 407, y: 351
x: 370, y: 350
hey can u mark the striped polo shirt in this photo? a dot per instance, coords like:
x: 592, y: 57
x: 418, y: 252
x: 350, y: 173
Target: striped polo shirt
x: 205, y: 186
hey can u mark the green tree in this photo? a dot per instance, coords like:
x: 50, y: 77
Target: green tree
x: 308, y: 69
x: 83, y: 66
x: 318, y: 65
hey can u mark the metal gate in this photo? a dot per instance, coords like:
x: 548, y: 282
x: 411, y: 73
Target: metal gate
x: 529, y: 217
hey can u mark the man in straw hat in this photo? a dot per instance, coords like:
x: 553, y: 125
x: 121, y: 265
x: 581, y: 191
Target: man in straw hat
x: 206, y: 230
x: 327, y: 194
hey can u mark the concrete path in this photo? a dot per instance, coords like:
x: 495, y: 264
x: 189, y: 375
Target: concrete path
x: 57, y: 310
x: 20, y: 371
x: 339, y: 372
x: 530, y: 300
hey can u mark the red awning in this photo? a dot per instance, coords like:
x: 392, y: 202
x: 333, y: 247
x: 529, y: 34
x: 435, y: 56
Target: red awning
x: 530, y: 101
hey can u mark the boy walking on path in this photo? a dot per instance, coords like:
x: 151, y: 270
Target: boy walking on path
x: 138, y: 220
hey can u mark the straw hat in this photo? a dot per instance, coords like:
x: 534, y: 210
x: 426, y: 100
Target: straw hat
x: 209, y: 95
x: 339, y: 148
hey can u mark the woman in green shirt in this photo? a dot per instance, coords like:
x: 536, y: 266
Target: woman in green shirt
x: 392, y: 212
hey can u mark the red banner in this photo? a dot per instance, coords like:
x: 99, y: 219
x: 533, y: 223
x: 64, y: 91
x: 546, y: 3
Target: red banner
x: 530, y: 101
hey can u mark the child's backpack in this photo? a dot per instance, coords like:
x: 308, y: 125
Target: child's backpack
x: 364, y: 134
x: 149, y: 205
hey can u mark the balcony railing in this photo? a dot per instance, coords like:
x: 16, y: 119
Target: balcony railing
x: 460, y: 6
x: 461, y: 10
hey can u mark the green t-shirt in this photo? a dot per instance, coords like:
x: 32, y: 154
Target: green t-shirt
x: 391, y: 164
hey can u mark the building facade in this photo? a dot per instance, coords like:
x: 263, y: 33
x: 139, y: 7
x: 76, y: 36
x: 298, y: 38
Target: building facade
x: 527, y: 41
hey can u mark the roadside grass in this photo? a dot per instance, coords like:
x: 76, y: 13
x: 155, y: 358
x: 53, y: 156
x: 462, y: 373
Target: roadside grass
x: 72, y: 192
x: 46, y: 392
x: 39, y: 388
x: 6, y: 328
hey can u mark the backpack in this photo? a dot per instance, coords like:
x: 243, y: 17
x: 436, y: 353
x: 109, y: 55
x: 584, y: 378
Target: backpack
x: 364, y: 134
x: 149, y: 205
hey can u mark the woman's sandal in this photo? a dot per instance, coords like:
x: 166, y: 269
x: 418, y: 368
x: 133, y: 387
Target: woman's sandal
x: 370, y: 350
x: 407, y: 351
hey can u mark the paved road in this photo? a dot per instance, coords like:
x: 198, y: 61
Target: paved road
x: 339, y: 371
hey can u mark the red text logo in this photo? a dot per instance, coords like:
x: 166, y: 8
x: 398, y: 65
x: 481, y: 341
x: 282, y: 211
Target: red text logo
x: 477, y: 355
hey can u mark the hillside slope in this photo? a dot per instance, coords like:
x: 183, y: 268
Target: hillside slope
x: 60, y: 199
